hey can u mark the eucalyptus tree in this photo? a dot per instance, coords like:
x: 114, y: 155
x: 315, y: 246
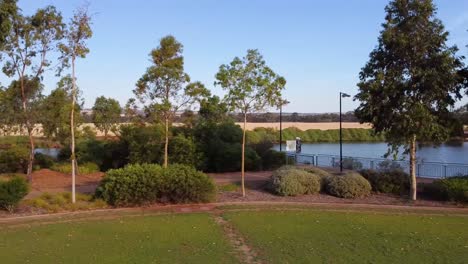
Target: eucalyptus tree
x: 251, y: 87
x: 27, y: 42
x: 411, y: 80
x: 106, y: 114
x: 165, y: 88
x: 74, y: 47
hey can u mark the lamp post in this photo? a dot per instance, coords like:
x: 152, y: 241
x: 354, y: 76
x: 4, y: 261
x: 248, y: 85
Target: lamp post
x: 342, y: 95
x: 283, y: 102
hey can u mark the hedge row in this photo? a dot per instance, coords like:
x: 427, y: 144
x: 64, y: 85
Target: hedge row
x: 148, y: 183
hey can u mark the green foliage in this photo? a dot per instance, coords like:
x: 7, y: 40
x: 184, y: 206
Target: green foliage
x: 59, y: 202
x: 43, y: 161
x: 106, y: 114
x: 144, y: 143
x: 184, y: 184
x: 106, y: 154
x: 412, y: 78
x: 450, y: 189
x: 387, y: 181
x: 313, y: 135
x: 165, y: 88
x: 290, y: 181
x: 14, y: 159
x: 272, y: 159
x: 84, y: 168
x: 182, y: 150
x: 149, y: 183
x: 56, y: 110
x: 349, y: 185
x: 12, y: 191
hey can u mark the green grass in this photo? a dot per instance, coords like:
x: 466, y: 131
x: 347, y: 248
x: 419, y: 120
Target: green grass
x: 58, y: 202
x: 188, y: 238
x: 342, y: 237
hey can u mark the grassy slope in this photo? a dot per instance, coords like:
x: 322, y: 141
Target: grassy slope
x: 193, y: 238
x: 339, y: 237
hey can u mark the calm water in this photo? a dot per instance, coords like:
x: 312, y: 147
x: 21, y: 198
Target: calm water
x: 444, y: 153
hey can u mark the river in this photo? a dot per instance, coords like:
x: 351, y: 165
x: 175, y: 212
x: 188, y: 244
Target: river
x: 444, y: 153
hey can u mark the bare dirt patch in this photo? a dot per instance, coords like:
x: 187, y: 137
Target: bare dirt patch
x: 46, y: 180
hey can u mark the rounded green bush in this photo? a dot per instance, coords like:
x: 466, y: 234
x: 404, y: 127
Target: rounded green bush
x: 350, y: 185
x: 290, y: 181
x: 451, y: 189
x: 387, y: 181
x: 14, y: 159
x: 12, y: 191
x: 132, y: 185
x: 148, y: 183
x: 183, y: 184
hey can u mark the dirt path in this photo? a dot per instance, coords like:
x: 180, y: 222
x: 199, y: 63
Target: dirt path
x: 244, y: 252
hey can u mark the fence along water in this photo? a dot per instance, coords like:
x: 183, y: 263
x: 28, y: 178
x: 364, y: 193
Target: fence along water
x: 423, y: 169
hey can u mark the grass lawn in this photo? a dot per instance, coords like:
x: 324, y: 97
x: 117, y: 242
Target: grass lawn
x: 342, y: 237
x: 178, y: 238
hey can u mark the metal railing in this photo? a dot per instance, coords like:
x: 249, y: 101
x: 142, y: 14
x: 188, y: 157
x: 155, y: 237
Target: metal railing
x: 423, y: 169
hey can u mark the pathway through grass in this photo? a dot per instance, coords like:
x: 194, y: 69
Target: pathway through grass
x: 341, y: 237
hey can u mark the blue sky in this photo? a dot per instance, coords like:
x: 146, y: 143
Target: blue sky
x: 318, y: 46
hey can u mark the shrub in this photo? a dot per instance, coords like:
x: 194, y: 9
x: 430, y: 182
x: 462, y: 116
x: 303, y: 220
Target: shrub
x: 148, y: 183
x: 452, y: 189
x: 184, y: 184
x: 182, y: 150
x: 273, y: 159
x: 85, y: 168
x: 131, y: 185
x: 350, y: 185
x: 289, y: 181
x: 62, y: 202
x: 43, y: 161
x: 388, y: 181
x: 12, y: 191
x: 14, y: 159
x: 322, y: 174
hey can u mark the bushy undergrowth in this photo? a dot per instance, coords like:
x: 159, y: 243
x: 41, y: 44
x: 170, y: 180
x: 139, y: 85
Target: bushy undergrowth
x: 291, y: 181
x: 148, y: 183
x: 85, y: 168
x: 387, y: 181
x: 43, y: 161
x: 349, y: 185
x: 12, y: 191
x: 62, y: 202
x: 14, y: 159
x: 449, y: 189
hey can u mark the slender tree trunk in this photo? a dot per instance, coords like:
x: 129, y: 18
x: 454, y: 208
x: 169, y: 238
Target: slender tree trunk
x: 29, y: 128
x: 166, y: 145
x: 243, y: 157
x: 413, y: 168
x: 72, y: 129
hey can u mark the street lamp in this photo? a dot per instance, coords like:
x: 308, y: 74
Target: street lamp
x: 342, y: 95
x: 283, y: 102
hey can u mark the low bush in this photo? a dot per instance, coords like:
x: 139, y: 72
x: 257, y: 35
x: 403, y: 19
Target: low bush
x: 14, y: 159
x: 62, y: 202
x: 349, y: 185
x: 290, y: 181
x: 43, y: 161
x: 273, y: 159
x: 148, y: 183
x: 85, y: 168
x: 322, y: 174
x: 450, y: 189
x: 12, y: 191
x: 183, y: 184
x: 388, y: 181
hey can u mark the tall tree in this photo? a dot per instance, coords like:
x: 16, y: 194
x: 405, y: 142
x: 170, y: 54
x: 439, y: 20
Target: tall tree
x: 165, y: 88
x: 76, y: 35
x: 411, y: 80
x: 25, y: 47
x: 106, y: 114
x: 251, y: 87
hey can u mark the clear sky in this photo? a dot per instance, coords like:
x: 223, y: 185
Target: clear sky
x: 318, y: 46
